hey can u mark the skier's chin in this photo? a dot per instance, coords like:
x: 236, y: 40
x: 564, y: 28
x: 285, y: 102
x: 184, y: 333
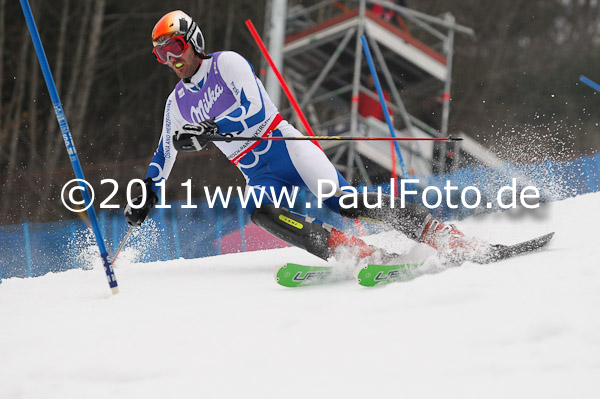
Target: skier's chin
x: 186, y: 71
x: 181, y: 72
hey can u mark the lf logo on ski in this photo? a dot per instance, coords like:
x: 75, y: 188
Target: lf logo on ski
x: 320, y: 275
x: 392, y: 274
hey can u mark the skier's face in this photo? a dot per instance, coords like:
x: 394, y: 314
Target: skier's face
x: 186, y: 65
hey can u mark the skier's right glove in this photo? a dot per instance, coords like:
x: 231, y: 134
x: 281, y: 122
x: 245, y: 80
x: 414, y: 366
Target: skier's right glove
x: 135, y: 217
x: 195, y: 136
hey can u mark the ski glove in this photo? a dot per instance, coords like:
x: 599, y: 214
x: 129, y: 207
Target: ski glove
x: 135, y: 217
x: 195, y: 136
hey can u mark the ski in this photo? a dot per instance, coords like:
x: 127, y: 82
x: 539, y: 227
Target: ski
x: 502, y: 252
x: 372, y: 275
x: 294, y: 275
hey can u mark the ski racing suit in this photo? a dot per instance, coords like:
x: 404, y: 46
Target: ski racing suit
x: 226, y: 90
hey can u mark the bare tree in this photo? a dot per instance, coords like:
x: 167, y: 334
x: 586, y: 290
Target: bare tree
x: 58, y: 72
x: 2, y: 40
x: 16, y: 112
x: 89, y: 67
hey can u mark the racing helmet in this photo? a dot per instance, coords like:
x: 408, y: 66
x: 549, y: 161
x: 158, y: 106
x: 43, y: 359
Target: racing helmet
x: 178, y: 23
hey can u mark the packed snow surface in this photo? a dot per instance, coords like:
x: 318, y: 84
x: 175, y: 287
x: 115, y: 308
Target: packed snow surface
x: 220, y: 327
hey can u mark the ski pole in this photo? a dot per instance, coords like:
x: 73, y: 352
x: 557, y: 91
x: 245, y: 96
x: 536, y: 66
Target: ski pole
x: 338, y: 138
x: 122, y: 244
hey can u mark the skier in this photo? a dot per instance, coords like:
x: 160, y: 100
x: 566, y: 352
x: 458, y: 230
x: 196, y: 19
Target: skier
x: 219, y: 94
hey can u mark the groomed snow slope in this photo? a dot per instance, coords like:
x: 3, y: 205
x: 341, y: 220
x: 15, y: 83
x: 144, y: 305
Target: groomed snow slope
x: 221, y: 327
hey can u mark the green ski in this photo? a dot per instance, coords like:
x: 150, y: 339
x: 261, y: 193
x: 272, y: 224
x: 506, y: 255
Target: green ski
x: 372, y: 275
x: 293, y: 275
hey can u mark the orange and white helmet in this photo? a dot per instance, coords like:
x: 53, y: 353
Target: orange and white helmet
x: 178, y: 23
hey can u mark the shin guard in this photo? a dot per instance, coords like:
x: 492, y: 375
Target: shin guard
x: 320, y: 239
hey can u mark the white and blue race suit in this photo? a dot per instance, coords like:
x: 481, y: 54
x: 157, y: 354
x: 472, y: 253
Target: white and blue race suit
x: 226, y: 89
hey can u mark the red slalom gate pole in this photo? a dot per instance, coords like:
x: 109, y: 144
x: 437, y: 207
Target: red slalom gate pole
x: 394, y: 172
x: 284, y: 85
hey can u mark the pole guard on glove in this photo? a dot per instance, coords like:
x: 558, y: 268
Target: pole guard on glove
x: 195, y: 136
x: 136, y: 216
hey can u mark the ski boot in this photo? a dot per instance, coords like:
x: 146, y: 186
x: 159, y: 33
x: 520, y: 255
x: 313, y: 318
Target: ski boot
x: 452, y: 244
x: 359, y: 249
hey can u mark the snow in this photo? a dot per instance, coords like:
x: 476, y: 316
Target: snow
x: 221, y: 327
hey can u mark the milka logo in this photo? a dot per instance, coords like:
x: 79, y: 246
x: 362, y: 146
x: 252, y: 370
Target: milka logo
x: 205, y: 104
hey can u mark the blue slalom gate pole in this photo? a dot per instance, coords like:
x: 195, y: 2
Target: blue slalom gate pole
x: 590, y: 83
x: 27, y: 240
x: 386, y: 113
x: 66, y: 133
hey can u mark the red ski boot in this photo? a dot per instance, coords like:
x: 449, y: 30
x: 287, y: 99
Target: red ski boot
x: 452, y: 244
x: 339, y: 239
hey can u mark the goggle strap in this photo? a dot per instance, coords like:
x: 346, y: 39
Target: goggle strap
x: 190, y: 31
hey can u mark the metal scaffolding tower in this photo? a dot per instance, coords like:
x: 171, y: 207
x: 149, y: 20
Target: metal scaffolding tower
x: 413, y: 53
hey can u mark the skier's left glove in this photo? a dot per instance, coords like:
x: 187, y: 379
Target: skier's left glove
x: 136, y: 216
x: 195, y: 136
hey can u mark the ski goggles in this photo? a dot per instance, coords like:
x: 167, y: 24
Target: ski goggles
x: 174, y: 47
